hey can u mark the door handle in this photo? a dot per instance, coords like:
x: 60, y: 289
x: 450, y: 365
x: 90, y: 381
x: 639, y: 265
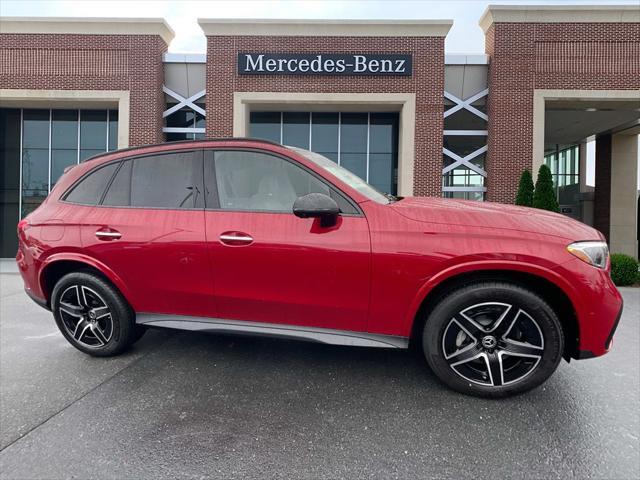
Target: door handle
x: 235, y: 238
x: 108, y: 234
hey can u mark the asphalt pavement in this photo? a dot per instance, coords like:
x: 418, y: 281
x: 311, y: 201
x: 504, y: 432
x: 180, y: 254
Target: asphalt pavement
x: 186, y: 405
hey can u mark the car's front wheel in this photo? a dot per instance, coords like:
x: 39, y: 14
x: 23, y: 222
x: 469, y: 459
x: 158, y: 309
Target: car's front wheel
x: 92, y: 315
x: 492, y: 339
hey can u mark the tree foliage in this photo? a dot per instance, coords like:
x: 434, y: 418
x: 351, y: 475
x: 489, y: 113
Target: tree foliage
x: 525, y: 190
x: 544, y: 195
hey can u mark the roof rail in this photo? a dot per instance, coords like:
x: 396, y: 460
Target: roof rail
x: 186, y: 142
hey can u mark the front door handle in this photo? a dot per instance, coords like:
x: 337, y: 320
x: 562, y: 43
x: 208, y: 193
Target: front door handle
x: 108, y: 234
x: 236, y: 239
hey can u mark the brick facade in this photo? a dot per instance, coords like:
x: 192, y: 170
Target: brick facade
x: 427, y: 82
x: 528, y: 56
x: 92, y: 62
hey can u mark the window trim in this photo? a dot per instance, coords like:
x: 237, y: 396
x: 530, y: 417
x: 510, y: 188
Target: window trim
x: 199, y: 174
x: 331, y: 186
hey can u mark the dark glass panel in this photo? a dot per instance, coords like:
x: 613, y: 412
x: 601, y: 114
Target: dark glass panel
x: 93, y: 130
x: 86, y: 154
x: 464, y: 120
x: 477, y: 196
x: 64, y: 129
x: 381, y: 167
x: 463, y: 145
x: 89, y: 190
x: 383, y: 132
x: 324, y: 134
x: 119, y: 193
x: 463, y: 177
x: 113, y: 130
x: 353, y: 134
x: 61, y: 159
x: 36, y: 129
x: 177, y: 137
x: 330, y: 155
x: 265, y: 125
x: 481, y: 104
x: 355, y: 163
x: 9, y: 180
x: 183, y: 118
x: 35, y: 178
x: 164, y: 181
x: 295, y: 129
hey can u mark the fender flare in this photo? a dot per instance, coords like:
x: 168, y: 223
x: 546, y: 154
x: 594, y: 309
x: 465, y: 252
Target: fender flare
x: 483, y: 266
x: 90, y: 261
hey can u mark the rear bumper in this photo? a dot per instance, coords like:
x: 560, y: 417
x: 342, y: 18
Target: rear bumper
x: 40, y: 301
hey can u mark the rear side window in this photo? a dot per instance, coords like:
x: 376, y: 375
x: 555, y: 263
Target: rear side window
x: 161, y: 181
x: 90, y: 188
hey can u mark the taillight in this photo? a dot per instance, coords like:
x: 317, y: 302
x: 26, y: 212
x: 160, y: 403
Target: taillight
x: 22, y: 225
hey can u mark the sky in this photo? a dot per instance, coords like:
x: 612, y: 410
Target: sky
x: 464, y: 37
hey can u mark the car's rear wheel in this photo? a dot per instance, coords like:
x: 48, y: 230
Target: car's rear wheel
x: 492, y: 339
x: 92, y: 315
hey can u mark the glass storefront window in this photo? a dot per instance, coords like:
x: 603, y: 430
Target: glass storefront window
x: 9, y: 179
x: 35, y: 158
x: 64, y: 141
x: 50, y: 143
x: 564, y: 165
x: 185, y: 120
x: 324, y: 134
x: 364, y: 143
x: 295, y: 129
x: 93, y: 133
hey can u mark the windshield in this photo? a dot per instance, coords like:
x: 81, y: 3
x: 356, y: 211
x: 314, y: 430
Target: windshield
x: 345, y: 175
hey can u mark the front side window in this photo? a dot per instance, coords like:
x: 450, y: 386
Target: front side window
x: 91, y: 187
x: 256, y: 181
x: 160, y: 181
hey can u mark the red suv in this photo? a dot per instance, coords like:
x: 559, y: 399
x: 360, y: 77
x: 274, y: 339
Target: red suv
x: 247, y: 236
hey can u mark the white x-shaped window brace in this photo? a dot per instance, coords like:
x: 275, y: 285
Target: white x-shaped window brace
x: 183, y: 102
x: 466, y: 160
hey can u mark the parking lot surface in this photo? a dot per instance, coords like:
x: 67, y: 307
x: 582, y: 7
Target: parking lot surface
x: 192, y: 406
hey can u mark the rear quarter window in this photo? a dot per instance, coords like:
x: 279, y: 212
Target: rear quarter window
x: 89, y: 190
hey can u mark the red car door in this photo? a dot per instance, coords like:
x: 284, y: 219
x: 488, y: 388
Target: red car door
x: 150, y: 231
x: 271, y: 266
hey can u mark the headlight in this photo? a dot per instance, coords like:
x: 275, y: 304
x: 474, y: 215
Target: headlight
x: 594, y: 253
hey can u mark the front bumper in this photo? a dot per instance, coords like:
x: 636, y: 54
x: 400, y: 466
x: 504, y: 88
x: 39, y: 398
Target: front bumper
x: 597, y: 304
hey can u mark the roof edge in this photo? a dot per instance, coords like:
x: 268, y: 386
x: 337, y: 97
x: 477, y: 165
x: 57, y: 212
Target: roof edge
x: 88, y: 26
x: 558, y: 14
x: 324, y: 28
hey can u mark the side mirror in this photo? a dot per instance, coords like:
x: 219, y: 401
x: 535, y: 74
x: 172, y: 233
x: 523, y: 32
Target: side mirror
x: 317, y: 205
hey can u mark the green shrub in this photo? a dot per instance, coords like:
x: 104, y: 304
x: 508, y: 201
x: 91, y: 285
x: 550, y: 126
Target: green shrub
x: 624, y: 269
x: 525, y: 190
x: 544, y: 196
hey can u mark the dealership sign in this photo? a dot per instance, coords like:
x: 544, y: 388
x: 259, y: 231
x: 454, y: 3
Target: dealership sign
x: 323, y: 64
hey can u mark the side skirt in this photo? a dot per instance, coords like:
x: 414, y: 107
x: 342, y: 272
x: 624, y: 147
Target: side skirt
x: 311, y: 334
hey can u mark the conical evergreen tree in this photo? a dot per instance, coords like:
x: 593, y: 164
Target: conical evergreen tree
x: 525, y: 190
x: 544, y: 196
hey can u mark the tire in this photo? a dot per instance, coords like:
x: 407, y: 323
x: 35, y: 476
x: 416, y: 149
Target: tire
x: 92, y: 315
x: 492, y: 339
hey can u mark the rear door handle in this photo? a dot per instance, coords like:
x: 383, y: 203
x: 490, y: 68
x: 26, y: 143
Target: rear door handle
x: 108, y: 234
x: 236, y: 239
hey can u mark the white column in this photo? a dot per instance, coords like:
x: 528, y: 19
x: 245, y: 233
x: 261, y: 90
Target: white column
x: 624, y: 194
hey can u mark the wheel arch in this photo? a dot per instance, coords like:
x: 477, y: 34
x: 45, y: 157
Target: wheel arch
x: 56, y: 266
x: 548, y: 285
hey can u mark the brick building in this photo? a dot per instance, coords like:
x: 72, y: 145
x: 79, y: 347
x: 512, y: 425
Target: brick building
x: 379, y: 97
